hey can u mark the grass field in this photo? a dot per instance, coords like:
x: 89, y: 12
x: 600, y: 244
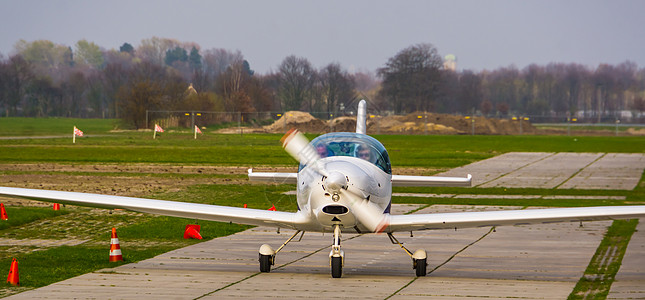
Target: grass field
x: 144, y: 236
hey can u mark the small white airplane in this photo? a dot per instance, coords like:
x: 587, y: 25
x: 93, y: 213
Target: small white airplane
x: 344, y: 184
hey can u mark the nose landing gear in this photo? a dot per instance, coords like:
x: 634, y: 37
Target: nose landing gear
x: 336, y: 256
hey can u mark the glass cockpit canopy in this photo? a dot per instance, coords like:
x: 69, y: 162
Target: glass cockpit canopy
x: 354, y: 145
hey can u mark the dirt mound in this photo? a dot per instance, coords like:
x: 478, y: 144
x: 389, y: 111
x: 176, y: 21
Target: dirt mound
x: 634, y: 131
x: 432, y: 123
x: 409, y: 124
x: 343, y: 124
x: 414, y: 123
x: 296, y: 119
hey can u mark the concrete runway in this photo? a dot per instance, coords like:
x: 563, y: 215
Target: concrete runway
x: 527, y: 262
x: 599, y: 171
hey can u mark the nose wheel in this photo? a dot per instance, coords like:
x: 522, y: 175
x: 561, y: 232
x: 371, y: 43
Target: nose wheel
x: 336, y: 256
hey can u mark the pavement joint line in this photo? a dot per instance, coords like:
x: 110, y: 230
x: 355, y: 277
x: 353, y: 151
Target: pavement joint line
x: 276, y: 268
x: 522, y: 167
x: 579, y: 170
x: 492, y: 229
x: 279, y: 267
x: 486, y: 196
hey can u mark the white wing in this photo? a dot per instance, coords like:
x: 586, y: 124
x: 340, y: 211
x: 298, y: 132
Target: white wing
x: 406, y: 180
x: 414, y: 222
x: 286, y: 178
x: 167, y: 208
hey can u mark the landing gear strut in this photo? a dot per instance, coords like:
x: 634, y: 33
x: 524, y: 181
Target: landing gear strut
x: 336, y: 256
x: 419, y: 257
x: 267, y: 255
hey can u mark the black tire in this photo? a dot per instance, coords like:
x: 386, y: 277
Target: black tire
x: 336, y: 267
x: 420, y: 266
x: 265, y: 263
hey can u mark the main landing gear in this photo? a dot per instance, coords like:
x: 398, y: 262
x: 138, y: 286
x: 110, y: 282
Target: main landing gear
x: 267, y: 255
x: 419, y: 257
x: 337, y: 256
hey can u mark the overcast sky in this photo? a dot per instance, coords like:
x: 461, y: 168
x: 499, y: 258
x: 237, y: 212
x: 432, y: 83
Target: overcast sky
x: 360, y: 35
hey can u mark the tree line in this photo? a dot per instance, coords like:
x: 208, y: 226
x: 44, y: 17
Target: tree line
x: 42, y: 78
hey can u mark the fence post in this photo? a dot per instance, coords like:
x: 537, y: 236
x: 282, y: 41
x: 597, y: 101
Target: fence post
x: 617, y: 122
x: 425, y: 123
x: 239, y: 122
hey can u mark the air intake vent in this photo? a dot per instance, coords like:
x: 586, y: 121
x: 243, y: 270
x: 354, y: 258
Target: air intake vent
x: 335, y: 209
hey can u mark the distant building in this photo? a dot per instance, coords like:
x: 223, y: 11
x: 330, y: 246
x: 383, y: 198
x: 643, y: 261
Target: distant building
x: 450, y: 62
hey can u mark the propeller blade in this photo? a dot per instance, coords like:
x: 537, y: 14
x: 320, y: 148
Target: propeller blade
x: 297, y: 145
x: 368, y: 213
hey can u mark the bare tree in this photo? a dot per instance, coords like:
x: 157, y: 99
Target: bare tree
x: 296, y: 78
x: 412, y: 77
x: 337, y: 86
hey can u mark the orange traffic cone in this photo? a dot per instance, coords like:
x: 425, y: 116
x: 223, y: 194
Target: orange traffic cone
x: 13, y: 278
x: 244, y: 205
x: 3, y: 212
x: 272, y: 208
x: 56, y: 206
x: 115, y: 248
x: 192, y: 232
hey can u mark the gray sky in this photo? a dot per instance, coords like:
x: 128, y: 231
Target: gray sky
x: 360, y: 35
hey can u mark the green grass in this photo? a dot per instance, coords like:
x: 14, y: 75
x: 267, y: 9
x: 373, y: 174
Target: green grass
x: 602, y: 269
x: 139, y: 241
x: 14, y: 126
x: 143, y: 236
x: 23, y: 215
x: 254, y: 149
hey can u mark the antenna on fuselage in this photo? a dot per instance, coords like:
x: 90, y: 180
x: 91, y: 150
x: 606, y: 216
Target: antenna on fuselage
x: 361, y: 118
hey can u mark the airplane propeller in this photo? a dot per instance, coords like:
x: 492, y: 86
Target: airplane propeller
x: 297, y: 145
x: 366, y: 212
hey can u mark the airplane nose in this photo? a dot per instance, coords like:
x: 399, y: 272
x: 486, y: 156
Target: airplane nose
x: 335, y: 181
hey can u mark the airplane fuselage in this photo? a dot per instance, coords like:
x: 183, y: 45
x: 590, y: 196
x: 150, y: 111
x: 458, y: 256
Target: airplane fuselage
x: 331, y: 199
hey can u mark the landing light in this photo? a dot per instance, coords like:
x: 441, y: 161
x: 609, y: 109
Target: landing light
x: 335, y: 197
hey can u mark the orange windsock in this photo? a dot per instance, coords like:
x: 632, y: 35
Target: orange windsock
x: 192, y: 232
x: 3, y: 212
x: 13, y: 277
x: 115, y: 248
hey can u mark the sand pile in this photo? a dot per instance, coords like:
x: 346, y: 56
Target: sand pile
x: 414, y: 123
x: 296, y: 119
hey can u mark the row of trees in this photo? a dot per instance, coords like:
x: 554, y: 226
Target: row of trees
x: 415, y: 80
x: 46, y: 79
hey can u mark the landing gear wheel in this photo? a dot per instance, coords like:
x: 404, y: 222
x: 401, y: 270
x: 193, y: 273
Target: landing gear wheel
x: 336, y: 267
x: 420, y: 266
x: 265, y: 263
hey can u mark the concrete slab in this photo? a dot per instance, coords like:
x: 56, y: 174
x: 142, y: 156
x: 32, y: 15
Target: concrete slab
x: 512, y: 262
x: 490, y: 169
x: 461, y: 288
x: 621, y: 171
x: 546, y: 173
x: 630, y: 279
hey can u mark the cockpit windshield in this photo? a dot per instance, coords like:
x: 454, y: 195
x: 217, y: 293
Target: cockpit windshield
x: 355, y: 145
